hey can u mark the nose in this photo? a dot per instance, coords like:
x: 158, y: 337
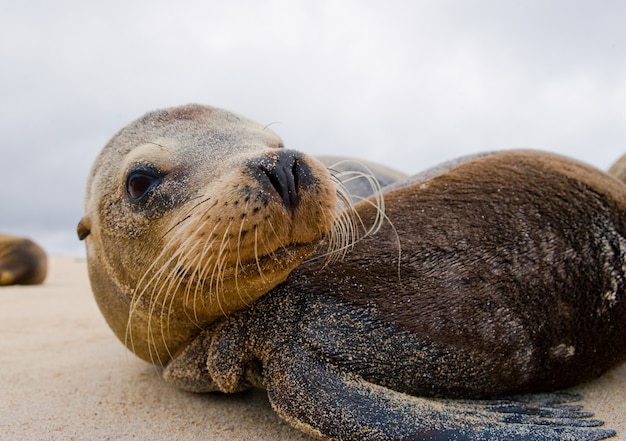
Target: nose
x: 285, y: 173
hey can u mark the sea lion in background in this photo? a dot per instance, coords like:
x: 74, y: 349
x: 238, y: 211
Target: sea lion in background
x: 353, y: 172
x: 194, y: 212
x: 498, y: 274
x: 618, y: 169
x: 22, y: 261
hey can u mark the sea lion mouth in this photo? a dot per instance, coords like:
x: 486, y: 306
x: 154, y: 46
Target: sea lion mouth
x: 284, y: 257
x: 205, y: 276
x: 248, y: 278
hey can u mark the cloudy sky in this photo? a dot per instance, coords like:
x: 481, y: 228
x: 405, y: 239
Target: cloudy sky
x: 407, y: 83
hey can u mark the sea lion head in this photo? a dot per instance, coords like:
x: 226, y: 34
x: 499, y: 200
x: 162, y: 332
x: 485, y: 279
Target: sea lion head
x: 194, y: 212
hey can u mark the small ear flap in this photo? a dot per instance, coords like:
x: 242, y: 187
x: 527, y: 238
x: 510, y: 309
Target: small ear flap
x: 84, y: 228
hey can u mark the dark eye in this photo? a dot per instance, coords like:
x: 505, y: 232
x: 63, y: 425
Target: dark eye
x: 140, y: 182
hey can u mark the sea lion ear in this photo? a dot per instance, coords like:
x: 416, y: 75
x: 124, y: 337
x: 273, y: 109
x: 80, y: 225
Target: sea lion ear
x: 84, y: 228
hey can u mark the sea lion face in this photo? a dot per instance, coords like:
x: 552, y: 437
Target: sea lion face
x: 192, y: 213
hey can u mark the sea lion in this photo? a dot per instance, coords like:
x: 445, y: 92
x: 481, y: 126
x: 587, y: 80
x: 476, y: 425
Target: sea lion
x: 354, y: 171
x: 194, y: 212
x: 22, y: 261
x: 497, y: 274
x: 618, y: 169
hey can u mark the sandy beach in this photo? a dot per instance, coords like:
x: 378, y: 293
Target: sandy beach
x: 64, y: 376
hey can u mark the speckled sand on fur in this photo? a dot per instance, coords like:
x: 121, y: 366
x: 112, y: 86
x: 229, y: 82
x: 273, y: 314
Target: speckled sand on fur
x: 64, y: 376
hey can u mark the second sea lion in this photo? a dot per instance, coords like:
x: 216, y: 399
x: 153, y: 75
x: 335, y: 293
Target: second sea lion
x: 22, y: 261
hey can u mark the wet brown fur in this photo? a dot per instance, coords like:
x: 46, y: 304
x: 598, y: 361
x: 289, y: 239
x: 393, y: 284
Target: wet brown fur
x: 22, y: 261
x: 518, y: 258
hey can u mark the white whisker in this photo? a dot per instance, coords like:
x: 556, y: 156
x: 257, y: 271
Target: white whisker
x: 349, y: 228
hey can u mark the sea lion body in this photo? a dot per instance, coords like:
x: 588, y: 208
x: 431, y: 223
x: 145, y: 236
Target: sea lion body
x: 498, y: 274
x: 22, y: 261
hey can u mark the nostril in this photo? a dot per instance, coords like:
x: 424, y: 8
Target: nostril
x: 283, y: 173
x: 282, y: 179
x: 295, y: 172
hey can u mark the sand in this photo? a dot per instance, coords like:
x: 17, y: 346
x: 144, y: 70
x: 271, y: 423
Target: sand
x: 64, y: 376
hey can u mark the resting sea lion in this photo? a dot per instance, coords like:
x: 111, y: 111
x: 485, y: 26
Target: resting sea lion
x: 494, y: 275
x: 22, y: 261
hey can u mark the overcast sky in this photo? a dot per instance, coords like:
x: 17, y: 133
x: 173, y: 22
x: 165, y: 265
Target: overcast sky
x: 407, y: 83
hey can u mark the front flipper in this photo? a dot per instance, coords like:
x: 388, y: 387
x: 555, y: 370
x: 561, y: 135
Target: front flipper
x: 327, y: 403
x: 188, y: 369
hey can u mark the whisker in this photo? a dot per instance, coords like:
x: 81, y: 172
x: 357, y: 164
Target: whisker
x: 138, y: 294
x: 256, y: 253
x: 238, y: 263
x: 221, y: 261
x: 188, y: 215
x: 349, y: 228
x: 207, y: 262
x: 281, y: 244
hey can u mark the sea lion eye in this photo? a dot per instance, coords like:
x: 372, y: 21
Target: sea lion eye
x: 140, y: 182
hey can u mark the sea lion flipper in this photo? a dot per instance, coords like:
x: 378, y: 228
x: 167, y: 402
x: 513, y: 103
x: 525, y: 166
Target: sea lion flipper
x: 215, y: 360
x: 188, y: 368
x: 329, y: 403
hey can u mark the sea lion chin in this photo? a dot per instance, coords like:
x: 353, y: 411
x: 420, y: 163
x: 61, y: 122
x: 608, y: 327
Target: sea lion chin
x: 194, y: 212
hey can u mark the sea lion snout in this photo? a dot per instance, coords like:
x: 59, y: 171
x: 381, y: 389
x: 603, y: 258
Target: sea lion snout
x: 284, y: 172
